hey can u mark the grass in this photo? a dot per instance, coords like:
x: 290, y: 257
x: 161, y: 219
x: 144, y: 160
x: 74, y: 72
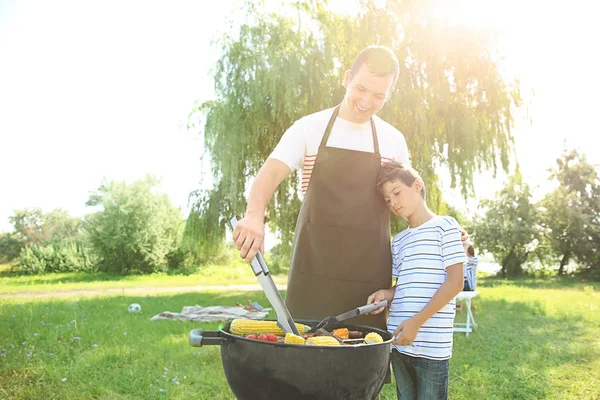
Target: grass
x: 534, y: 341
x: 236, y: 273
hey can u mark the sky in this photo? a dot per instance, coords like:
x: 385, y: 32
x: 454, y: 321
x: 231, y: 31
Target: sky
x: 102, y: 90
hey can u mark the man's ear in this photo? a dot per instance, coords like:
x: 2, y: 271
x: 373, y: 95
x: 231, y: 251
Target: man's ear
x: 390, y: 95
x: 347, y: 78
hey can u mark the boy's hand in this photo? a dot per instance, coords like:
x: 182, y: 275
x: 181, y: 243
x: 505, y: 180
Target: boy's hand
x: 380, y: 295
x: 406, y: 332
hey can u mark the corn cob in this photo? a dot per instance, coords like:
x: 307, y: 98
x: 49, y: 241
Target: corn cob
x: 322, y: 341
x: 373, y: 337
x: 245, y: 326
x: 290, y: 338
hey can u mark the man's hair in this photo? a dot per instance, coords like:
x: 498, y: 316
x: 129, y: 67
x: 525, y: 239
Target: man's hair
x: 394, y: 171
x: 471, y: 251
x: 380, y: 60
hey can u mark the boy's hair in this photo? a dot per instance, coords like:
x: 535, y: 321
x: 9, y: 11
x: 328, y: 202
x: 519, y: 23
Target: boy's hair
x: 380, y: 60
x: 394, y: 171
x: 470, y: 251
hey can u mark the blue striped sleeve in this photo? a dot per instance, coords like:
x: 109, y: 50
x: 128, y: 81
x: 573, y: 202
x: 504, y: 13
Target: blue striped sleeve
x: 452, y: 250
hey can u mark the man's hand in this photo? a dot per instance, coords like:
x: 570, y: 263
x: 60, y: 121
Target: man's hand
x: 248, y: 236
x: 380, y: 295
x: 406, y: 332
x: 250, y: 231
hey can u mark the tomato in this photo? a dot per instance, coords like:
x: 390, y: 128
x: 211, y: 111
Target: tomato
x: 262, y: 336
x: 271, y: 337
x: 251, y: 336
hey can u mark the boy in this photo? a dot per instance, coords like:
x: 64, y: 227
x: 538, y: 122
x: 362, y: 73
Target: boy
x: 428, y: 262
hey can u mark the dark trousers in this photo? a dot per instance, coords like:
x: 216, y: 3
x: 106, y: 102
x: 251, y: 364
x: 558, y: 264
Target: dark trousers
x: 420, y: 378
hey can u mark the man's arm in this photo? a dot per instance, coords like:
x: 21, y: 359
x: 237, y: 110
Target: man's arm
x: 250, y: 230
x: 452, y: 286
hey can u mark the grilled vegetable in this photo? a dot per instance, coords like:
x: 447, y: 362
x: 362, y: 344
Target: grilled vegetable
x: 322, y: 341
x: 245, y: 326
x: 373, y: 337
x: 271, y: 337
x: 290, y: 338
x: 342, y: 333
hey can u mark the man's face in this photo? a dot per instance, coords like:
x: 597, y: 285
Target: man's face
x: 402, y: 200
x: 366, y: 93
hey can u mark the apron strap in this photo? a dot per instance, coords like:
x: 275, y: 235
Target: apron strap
x: 375, y: 141
x: 330, y: 127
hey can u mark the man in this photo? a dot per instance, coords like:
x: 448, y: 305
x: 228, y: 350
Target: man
x: 342, y: 248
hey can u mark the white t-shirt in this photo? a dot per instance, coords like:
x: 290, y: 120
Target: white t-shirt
x: 299, y: 145
x: 420, y: 257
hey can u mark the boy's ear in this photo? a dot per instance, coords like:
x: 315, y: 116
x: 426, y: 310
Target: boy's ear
x: 418, y: 186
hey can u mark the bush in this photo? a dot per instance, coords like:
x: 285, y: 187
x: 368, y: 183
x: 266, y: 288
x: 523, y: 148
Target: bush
x: 539, y: 271
x: 278, y: 259
x: 184, y: 262
x: 67, y: 255
x: 32, y: 260
x: 136, y: 228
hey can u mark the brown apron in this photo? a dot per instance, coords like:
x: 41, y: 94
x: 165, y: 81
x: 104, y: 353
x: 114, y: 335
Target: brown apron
x: 342, y: 248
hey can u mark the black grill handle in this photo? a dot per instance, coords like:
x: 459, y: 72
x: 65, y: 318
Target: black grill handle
x: 199, y: 338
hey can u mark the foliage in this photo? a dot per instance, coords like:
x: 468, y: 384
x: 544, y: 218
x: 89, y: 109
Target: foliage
x: 509, y: 229
x: 450, y: 101
x: 65, y: 255
x: 571, y: 213
x: 10, y: 247
x: 33, y: 227
x: 135, y: 229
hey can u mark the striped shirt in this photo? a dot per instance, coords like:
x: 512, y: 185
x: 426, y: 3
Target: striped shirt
x: 420, y: 257
x: 299, y: 145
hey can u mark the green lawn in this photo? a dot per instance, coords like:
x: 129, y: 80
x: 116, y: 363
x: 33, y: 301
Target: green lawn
x: 534, y: 341
x: 236, y: 273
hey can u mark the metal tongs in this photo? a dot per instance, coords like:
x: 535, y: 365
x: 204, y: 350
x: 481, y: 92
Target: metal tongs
x: 351, y: 314
x: 284, y: 318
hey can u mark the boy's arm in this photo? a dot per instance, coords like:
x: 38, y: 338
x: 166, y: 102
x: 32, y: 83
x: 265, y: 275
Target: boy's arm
x: 453, y: 285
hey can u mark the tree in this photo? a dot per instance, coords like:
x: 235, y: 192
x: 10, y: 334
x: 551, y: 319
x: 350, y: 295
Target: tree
x: 10, y: 246
x: 509, y: 229
x: 33, y: 227
x: 29, y: 226
x: 135, y: 229
x: 571, y: 213
x: 450, y: 100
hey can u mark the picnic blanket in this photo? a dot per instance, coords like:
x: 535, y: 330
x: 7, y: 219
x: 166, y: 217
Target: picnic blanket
x: 213, y: 313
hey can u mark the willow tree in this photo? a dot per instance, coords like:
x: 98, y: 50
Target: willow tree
x: 451, y: 102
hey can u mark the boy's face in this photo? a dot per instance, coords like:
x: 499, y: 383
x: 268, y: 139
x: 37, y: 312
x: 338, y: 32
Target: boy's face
x: 402, y: 200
